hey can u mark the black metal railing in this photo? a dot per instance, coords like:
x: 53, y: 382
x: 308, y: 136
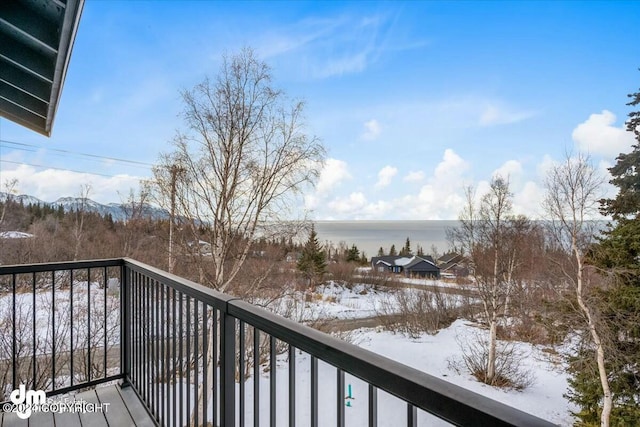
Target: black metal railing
x: 195, y: 356
x: 60, y: 325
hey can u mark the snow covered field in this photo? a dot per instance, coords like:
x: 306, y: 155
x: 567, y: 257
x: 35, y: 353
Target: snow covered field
x: 429, y: 353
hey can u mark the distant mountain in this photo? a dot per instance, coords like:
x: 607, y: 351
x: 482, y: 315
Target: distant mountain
x: 118, y: 211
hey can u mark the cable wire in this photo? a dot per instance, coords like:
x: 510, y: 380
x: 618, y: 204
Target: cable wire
x: 55, y: 168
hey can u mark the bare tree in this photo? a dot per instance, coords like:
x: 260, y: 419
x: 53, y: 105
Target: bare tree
x: 573, y: 192
x: 245, y: 160
x: 9, y: 187
x: 80, y: 211
x: 484, y: 235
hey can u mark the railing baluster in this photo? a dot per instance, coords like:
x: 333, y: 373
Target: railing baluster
x: 340, y: 397
x: 314, y: 391
x: 256, y: 377
x: 104, y: 296
x: 156, y: 380
x: 228, y: 343
x: 148, y: 353
x: 188, y: 361
x: 71, y: 372
x: 181, y: 357
x: 137, y: 329
x: 33, y: 322
x: 373, y: 406
x: 216, y: 383
x: 272, y: 380
x: 205, y: 362
x: 88, y: 372
x: 242, y: 376
x: 292, y: 386
x: 174, y: 355
x: 53, y: 329
x: 412, y: 416
x: 14, y: 343
x: 163, y: 356
x: 146, y: 380
x: 133, y: 348
x: 196, y: 372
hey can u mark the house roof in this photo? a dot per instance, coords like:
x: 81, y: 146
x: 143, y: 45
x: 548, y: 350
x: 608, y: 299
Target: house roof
x: 405, y: 262
x: 36, y: 40
x: 446, y: 258
x: 421, y: 264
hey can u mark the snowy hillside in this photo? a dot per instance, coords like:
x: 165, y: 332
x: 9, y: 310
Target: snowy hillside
x: 118, y: 211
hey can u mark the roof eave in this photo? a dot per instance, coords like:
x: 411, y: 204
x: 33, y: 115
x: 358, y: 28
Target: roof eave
x: 70, y: 25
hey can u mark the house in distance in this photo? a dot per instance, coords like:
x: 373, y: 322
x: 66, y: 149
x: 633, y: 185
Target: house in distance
x: 410, y: 266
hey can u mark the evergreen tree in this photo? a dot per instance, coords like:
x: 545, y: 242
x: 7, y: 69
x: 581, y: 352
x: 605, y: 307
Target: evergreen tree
x: 420, y: 251
x: 353, y: 254
x: 619, y: 254
x: 363, y: 259
x: 380, y: 251
x: 392, y: 251
x: 406, y: 250
x: 313, y: 262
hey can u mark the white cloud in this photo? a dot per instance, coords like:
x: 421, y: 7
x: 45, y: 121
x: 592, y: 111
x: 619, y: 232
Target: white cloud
x: 545, y: 166
x: 510, y: 169
x: 493, y: 114
x: 528, y: 200
x: 50, y: 184
x: 385, y: 176
x: 442, y: 196
x: 333, y: 173
x: 348, y: 205
x: 414, y: 176
x: 450, y: 167
x: 596, y: 135
x: 372, y: 130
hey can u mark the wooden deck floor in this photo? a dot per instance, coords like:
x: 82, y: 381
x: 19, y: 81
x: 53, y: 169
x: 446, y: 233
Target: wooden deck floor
x: 124, y: 410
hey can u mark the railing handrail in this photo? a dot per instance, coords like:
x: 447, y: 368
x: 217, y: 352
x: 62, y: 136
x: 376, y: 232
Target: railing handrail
x: 201, y: 293
x: 63, y: 265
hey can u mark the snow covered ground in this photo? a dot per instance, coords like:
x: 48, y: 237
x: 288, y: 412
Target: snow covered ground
x: 432, y: 353
x: 15, y: 235
x: 429, y: 353
x: 335, y: 301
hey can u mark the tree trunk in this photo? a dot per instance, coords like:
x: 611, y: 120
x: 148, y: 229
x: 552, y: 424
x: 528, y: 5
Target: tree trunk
x: 493, y: 326
x: 607, y: 397
x: 491, y: 359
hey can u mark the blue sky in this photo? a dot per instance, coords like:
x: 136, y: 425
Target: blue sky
x: 413, y: 101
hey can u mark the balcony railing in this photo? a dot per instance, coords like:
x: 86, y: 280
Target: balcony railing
x: 67, y: 326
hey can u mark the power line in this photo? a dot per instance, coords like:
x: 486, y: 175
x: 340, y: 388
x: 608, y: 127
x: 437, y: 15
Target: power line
x: 30, y: 150
x: 55, y: 168
x: 76, y: 152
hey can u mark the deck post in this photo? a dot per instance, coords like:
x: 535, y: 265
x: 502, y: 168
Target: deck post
x: 125, y: 324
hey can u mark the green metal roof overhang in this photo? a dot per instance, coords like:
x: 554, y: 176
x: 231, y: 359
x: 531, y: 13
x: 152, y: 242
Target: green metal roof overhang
x: 36, y: 39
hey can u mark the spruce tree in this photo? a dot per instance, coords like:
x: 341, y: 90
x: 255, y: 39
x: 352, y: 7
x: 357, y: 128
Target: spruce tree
x: 618, y: 254
x: 313, y: 261
x: 392, y: 251
x: 380, y: 251
x: 363, y: 259
x: 406, y: 251
x: 353, y: 254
